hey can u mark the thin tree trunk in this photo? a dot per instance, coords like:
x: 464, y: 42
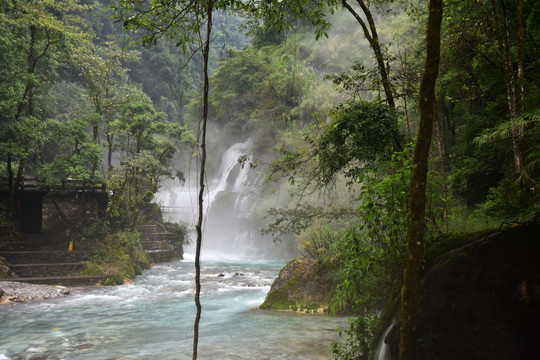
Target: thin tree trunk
x: 415, y: 243
x: 110, y: 139
x: 370, y: 33
x: 441, y: 165
x: 405, y: 86
x: 504, y: 48
x: 11, y: 184
x: 206, y: 53
x: 520, y: 72
x: 520, y: 90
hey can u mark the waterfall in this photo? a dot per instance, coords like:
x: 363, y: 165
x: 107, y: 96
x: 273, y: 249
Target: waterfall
x: 230, y: 222
x: 383, y: 350
x: 232, y: 177
x: 178, y: 203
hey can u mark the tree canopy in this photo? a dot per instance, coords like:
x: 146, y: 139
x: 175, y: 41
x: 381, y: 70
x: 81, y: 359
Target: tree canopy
x: 331, y: 93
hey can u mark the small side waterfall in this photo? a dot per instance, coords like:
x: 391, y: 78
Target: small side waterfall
x: 383, y: 350
x: 230, y: 223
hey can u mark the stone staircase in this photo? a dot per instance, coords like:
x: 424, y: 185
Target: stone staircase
x: 32, y: 265
x: 157, y: 243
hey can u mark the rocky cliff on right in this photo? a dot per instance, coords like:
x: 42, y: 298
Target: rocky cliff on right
x: 482, y: 300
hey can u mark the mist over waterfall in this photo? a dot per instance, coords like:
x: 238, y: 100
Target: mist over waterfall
x: 231, y: 225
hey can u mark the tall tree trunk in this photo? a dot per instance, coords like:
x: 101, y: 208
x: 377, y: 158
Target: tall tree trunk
x: 503, y: 38
x: 206, y: 53
x: 520, y: 91
x: 110, y: 139
x: 441, y: 166
x: 11, y: 184
x: 415, y: 242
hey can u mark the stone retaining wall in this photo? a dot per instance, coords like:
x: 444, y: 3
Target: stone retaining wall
x: 59, y: 213
x: 160, y: 256
x: 46, y: 270
x: 44, y: 257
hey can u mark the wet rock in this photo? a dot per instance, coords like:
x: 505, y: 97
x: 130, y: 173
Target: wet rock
x: 39, y: 357
x: 302, y: 285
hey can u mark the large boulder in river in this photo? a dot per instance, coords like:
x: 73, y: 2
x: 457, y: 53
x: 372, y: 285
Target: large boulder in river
x: 482, y: 300
x: 302, y: 285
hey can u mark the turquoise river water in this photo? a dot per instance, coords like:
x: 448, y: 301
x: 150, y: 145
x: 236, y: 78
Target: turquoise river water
x: 153, y: 318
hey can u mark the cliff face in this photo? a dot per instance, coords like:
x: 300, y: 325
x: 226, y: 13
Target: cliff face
x: 482, y: 301
x: 302, y: 285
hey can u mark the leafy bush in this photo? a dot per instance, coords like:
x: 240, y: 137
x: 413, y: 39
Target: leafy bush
x: 182, y: 230
x: 119, y: 257
x: 317, y: 241
x: 358, y: 343
x: 506, y: 202
x: 373, y: 253
x: 359, y: 134
x: 462, y: 219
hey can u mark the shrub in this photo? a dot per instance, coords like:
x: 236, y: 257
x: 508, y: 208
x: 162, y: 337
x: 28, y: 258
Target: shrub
x: 119, y: 257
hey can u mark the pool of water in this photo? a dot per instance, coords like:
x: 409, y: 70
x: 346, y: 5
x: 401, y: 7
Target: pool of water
x: 153, y: 318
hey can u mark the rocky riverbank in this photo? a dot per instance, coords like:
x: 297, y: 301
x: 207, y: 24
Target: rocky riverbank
x: 13, y: 291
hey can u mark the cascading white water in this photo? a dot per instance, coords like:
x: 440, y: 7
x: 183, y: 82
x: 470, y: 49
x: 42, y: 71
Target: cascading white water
x: 383, y: 350
x: 178, y: 203
x: 230, y: 225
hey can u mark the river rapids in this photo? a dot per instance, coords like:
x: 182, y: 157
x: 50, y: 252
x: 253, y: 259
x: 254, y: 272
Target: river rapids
x: 153, y: 318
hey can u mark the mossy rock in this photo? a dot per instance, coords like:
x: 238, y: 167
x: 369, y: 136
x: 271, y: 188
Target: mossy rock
x: 278, y: 299
x: 119, y: 258
x: 91, y: 268
x: 302, y: 285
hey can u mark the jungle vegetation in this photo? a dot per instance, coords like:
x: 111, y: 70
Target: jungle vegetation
x: 329, y: 89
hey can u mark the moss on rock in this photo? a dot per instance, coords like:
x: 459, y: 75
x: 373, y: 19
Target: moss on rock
x: 302, y: 285
x: 119, y: 257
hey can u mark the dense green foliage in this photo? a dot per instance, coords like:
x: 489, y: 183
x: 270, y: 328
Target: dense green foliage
x: 118, y: 256
x: 487, y: 120
x: 473, y: 99
x: 75, y: 103
x: 81, y: 111
x: 359, y: 134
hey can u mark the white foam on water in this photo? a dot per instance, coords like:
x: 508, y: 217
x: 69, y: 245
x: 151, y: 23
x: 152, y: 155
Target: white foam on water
x: 153, y: 318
